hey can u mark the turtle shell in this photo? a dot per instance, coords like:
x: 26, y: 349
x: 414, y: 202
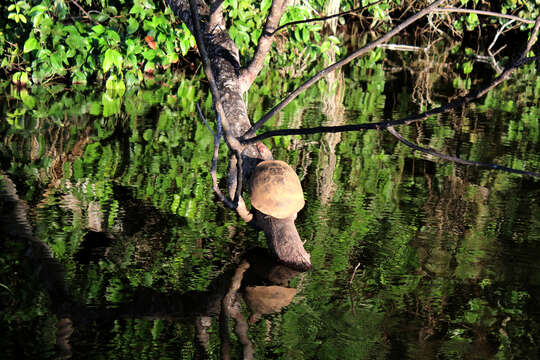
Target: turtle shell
x: 276, y: 189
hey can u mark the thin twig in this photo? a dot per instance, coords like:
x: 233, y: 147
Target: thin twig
x: 350, y: 288
x: 324, y: 18
x: 483, y: 12
x: 494, y: 62
x: 213, y: 169
x: 206, y: 122
x: 83, y: 11
x: 338, y: 65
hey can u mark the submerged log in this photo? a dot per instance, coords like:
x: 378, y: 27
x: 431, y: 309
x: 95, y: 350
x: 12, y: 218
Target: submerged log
x: 282, y: 236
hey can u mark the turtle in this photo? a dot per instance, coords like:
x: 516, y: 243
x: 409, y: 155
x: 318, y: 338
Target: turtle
x: 276, y: 190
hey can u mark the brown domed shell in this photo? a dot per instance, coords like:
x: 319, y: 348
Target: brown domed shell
x: 276, y: 189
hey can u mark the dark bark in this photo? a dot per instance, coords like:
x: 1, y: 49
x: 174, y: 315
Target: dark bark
x: 284, y: 241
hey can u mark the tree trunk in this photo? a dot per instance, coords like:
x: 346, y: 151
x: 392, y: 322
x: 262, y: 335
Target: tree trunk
x: 282, y: 236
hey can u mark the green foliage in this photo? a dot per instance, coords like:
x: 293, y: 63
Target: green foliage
x: 110, y: 39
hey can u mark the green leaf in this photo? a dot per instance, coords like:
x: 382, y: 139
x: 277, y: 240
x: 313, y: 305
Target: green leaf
x: 467, y: 67
x: 149, y: 54
x: 31, y: 44
x: 133, y: 25
x: 28, y: 99
x: 113, y: 36
x: 56, y: 63
x: 112, y: 57
x: 98, y: 29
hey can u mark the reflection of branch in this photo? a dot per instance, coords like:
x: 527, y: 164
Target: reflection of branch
x: 339, y: 64
x: 226, y: 306
x: 241, y: 330
x: 398, y: 136
x: 350, y: 288
x: 483, y: 12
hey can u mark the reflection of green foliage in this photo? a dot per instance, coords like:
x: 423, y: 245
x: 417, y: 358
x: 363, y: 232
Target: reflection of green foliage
x: 332, y: 333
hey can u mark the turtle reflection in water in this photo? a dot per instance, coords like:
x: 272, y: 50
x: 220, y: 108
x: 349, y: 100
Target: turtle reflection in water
x: 263, y: 300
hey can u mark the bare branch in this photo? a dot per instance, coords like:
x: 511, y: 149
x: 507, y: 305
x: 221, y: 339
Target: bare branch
x: 483, y: 12
x: 398, y: 136
x: 493, y: 62
x: 339, y: 64
x: 399, y: 47
x: 213, y: 169
x: 249, y: 73
x: 403, y: 121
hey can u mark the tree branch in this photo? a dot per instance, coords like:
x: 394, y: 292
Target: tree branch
x: 403, y: 121
x: 249, y: 73
x: 339, y: 64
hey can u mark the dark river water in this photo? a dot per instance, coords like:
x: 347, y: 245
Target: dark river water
x: 113, y: 245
